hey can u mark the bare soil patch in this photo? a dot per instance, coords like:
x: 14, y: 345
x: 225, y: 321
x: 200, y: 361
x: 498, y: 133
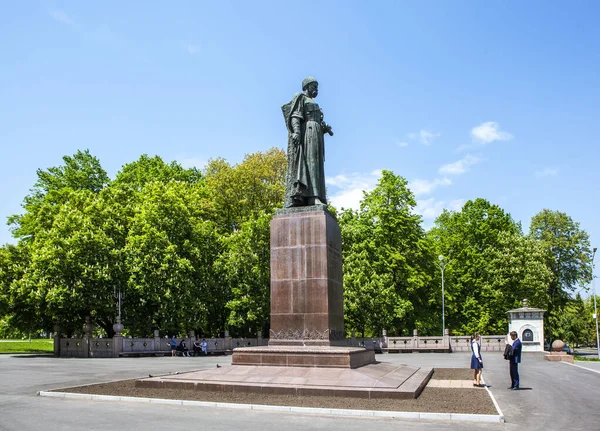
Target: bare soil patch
x: 452, y: 374
x: 436, y: 400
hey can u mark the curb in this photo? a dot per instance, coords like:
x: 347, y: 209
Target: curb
x: 312, y: 410
x: 581, y: 366
x: 500, y: 414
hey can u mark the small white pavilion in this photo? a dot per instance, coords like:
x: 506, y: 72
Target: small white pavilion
x: 529, y: 324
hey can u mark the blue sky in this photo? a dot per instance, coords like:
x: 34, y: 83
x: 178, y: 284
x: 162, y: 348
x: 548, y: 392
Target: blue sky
x: 465, y: 99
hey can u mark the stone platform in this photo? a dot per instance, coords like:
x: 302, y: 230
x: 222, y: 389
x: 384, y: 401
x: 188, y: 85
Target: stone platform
x: 559, y: 357
x: 378, y: 380
x: 309, y: 356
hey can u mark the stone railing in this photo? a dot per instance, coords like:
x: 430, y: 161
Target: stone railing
x: 447, y: 343
x: 73, y: 347
x: 489, y: 343
x: 100, y: 348
x: 88, y: 347
x: 417, y: 344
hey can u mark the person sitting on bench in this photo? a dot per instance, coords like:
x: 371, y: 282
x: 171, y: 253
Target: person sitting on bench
x: 182, y: 348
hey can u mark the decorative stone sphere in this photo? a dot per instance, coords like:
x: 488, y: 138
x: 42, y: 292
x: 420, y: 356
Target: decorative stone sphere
x: 558, y: 345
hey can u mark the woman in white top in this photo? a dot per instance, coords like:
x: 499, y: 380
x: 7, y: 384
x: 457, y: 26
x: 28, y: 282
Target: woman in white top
x: 476, y: 361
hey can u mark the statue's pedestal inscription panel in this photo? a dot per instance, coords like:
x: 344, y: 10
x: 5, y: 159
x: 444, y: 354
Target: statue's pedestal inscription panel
x: 307, y: 302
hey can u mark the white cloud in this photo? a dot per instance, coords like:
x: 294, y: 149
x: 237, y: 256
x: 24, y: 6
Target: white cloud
x: 348, y: 192
x: 425, y: 137
x: 547, y: 172
x: 485, y: 134
x: 431, y: 208
x: 60, y: 16
x: 193, y: 49
x: 460, y: 166
x: 423, y: 187
x: 489, y: 132
x: 350, y: 188
x: 401, y: 144
x: 455, y: 205
x: 193, y: 162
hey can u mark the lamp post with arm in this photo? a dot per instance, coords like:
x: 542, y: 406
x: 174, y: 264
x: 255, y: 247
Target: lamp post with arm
x: 441, y: 264
x: 595, y: 309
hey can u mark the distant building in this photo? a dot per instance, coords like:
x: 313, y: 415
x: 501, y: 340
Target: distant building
x: 529, y: 324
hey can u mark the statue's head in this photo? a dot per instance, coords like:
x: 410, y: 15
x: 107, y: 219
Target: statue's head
x: 310, y: 86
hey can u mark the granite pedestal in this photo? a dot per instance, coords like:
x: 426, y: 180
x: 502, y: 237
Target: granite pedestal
x: 307, y: 299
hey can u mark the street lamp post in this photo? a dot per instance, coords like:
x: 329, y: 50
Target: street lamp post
x: 118, y: 326
x: 595, y: 309
x: 441, y: 264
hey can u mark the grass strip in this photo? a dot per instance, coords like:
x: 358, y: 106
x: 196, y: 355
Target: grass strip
x: 587, y: 359
x: 25, y: 346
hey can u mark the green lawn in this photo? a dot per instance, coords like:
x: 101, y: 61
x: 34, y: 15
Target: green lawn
x: 587, y: 358
x: 24, y: 346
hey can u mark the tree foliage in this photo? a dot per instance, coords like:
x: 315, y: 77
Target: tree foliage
x: 190, y: 250
x: 567, y: 256
x: 490, y: 269
x: 244, y: 267
x: 243, y: 191
x: 387, y: 260
x: 82, y: 171
x: 155, y: 234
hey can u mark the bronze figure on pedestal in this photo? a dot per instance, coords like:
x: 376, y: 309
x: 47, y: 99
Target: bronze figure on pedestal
x: 305, y: 179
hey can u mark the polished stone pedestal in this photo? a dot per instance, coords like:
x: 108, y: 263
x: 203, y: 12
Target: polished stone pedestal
x: 307, y: 298
x: 307, y: 356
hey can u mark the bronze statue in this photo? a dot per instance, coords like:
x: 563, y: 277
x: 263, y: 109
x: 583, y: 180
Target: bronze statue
x: 305, y: 180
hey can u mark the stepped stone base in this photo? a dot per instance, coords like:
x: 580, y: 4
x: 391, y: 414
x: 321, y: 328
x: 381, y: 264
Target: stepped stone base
x: 378, y: 380
x: 559, y: 357
x: 298, y: 356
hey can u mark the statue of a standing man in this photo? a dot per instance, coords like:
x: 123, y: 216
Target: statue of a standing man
x: 305, y: 180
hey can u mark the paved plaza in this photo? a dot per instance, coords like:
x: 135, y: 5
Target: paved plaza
x: 555, y: 396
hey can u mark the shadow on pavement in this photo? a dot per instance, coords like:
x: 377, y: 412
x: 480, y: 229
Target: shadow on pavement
x: 32, y: 355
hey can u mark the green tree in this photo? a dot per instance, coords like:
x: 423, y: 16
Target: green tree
x: 387, y: 260
x: 150, y: 169
x: 169, y: 255
x: 68, y: 276
x: 243, y: 191
x: 58, y: 228
x: 244, y: 265
x: 478, y: 242
x: 514, y: 270
x: 589, y: 332
x: 573, y: 322
x: 82, y: 171
x: 14, y: 261
x: 568, y: 257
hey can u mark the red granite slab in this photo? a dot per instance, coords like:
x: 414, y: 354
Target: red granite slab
x: 371, y: 381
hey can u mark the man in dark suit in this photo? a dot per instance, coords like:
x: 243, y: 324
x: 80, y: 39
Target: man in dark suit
x: 515, y: 359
